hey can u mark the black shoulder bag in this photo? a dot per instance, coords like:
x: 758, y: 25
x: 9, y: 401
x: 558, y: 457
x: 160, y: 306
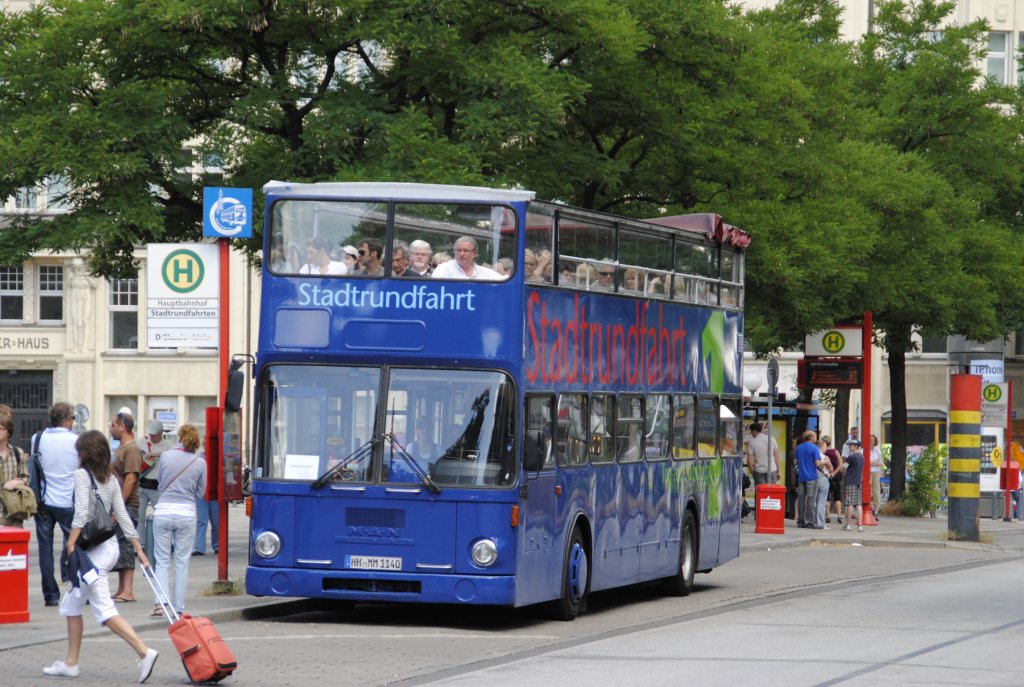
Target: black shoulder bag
x: 36, y: 477
x: 101, y: 527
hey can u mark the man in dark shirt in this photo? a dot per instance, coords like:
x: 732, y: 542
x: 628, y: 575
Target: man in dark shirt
x: 854, y: 467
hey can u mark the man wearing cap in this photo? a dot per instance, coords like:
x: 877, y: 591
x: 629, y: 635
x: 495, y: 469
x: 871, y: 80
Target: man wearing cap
x: 759, y: 455
x: 154, y: 445
x: 350, y: 256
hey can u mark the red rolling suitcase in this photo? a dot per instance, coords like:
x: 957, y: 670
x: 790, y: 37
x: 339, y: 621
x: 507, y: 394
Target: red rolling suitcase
x: 206, y: 656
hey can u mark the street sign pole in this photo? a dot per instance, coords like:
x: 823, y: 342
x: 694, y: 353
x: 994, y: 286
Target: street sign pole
x: 227, y: 214
x: 773, y: 381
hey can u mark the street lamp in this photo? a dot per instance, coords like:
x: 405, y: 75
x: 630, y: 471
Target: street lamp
x: 752, y: 381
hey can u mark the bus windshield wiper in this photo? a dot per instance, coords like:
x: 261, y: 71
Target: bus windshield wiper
x: 424, y: 476
x: 358, y: 454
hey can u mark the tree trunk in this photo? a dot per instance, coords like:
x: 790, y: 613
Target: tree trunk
x: 842, y: 421
x: 897, y: 341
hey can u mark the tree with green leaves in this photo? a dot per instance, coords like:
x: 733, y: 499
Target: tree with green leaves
x: 104, y: 94
x: 941, y: 264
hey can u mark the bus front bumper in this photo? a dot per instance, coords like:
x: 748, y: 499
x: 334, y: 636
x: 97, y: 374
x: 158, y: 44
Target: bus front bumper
x: 493, y: 590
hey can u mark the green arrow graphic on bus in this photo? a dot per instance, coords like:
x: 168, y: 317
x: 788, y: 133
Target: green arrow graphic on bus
x: 713, y: 342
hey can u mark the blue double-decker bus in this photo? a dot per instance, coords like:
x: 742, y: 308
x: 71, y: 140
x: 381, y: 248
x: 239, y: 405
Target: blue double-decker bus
x: 467, y: 395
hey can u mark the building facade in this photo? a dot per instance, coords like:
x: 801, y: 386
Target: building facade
x: 69, y: 336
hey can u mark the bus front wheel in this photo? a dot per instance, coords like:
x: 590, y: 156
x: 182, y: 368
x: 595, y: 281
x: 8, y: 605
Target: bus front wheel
x: 681, y: 583
x: 575, y: 580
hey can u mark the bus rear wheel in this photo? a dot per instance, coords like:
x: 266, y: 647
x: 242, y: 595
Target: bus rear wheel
x: 575, y: 580
x: 681, y: 584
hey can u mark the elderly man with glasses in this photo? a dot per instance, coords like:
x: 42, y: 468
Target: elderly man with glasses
x: 464, y: 266
x: 605, y: 277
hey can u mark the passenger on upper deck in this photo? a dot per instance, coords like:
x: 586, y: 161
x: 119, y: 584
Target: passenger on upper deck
x: 400, y: 260
x: 605, y: 278
x: 318, y: 259
x: 350, y: 256
x: 586, y: 276
x: 464, y: 265
x: 633, y: 280
x: 370, y: 253
x: 438, y: 258
x: 419, y: 259
x: 277, y: 262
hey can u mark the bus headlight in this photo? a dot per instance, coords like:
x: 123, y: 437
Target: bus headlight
x: 268, y: 545
x: 485, y: 553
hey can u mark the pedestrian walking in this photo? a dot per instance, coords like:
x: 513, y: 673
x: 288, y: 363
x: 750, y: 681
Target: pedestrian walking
x: 91, y: 566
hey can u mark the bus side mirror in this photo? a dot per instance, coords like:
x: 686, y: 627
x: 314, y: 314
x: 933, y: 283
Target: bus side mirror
x: 236, y: 381
x: 533, y: 450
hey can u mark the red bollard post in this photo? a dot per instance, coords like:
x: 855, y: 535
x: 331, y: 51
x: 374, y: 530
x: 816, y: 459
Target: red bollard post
x: 769, y: 511
x: 13, y: 575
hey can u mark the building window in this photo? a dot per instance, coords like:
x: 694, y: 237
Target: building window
x: 114, y: 405
x: 998, y: 57
x: 25, y: 198
x: 12, y: 292
x: 56, y: 193
x: 124, y: 313
x: 51, y: 293
x: 1020, y: 57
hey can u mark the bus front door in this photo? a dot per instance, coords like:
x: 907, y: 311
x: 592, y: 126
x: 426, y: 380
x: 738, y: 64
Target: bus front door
x: 539, y: 569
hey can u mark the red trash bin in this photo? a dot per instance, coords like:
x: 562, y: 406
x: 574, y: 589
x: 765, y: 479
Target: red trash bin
x: 13, y: 575
x: 769, y: 509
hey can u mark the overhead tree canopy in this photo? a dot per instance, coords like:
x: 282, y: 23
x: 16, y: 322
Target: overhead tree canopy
x: 883, y: 174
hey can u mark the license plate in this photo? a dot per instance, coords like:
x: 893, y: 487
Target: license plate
x: 373, y: 563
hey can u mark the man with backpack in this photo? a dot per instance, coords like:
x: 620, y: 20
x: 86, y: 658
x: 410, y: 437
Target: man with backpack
x: 58, y: 460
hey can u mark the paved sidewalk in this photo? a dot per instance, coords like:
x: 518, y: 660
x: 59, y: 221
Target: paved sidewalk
x: 46, y: 625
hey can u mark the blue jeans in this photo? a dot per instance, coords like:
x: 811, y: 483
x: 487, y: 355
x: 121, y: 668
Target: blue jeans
x: 46, y: 518
x: 173, y: 533
x: 207, y: 513
x: 147, y: 497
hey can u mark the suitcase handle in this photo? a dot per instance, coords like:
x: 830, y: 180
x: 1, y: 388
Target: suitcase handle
x: 161, y: 596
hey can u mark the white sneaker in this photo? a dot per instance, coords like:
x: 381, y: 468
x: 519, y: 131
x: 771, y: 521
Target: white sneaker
x: 146, y: 664
x: 61, y: 669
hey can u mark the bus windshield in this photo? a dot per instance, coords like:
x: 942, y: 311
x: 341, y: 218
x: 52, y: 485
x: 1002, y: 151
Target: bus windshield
x: 456, y: 426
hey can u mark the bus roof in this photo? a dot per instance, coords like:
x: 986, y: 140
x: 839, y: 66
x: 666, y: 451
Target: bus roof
x: 373, y: 190
x: 709, y: 224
